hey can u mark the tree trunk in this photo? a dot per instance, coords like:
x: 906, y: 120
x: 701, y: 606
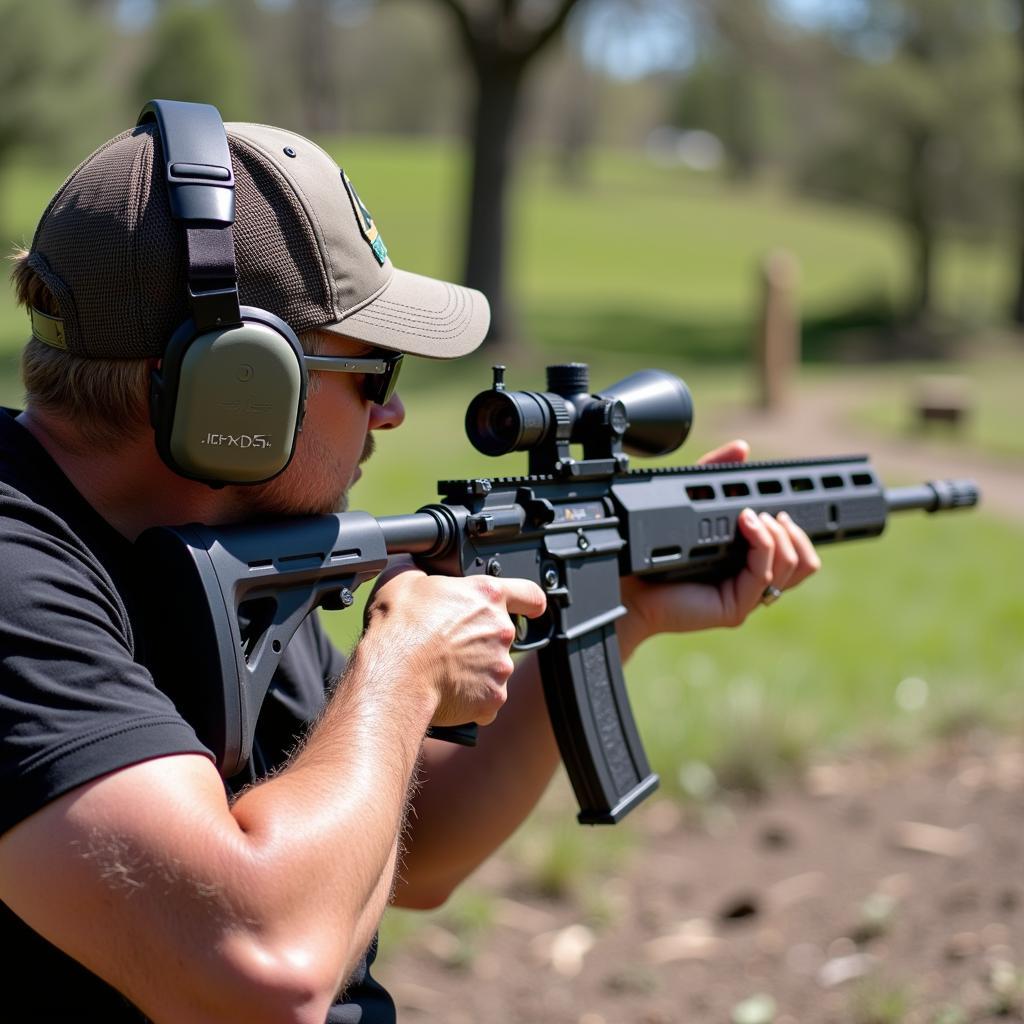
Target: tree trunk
x: 499, y: 81
x: 920, y: 221
x: 1018, y: 303
x: 1017, y: 313
x: 923, y: 244
x: 314, y: 66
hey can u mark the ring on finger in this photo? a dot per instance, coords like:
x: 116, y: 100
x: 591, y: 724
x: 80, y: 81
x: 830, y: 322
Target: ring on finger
x: 770, y: 595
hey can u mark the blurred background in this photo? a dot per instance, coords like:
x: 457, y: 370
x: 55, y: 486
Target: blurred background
x: 813, y: 211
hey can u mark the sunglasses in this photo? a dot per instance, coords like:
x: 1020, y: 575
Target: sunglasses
x: 380, y: 372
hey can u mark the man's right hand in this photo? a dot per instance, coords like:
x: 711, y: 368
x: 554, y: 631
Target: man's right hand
x: 456, y: 632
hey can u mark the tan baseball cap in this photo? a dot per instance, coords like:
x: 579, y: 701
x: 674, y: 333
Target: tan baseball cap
x: 306, y: 249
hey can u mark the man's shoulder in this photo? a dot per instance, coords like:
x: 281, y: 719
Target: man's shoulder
x: 47, y: 529
x: 37, y: 542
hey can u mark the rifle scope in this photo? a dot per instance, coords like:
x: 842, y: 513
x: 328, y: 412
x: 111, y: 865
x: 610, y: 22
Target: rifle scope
x: 648, y: 413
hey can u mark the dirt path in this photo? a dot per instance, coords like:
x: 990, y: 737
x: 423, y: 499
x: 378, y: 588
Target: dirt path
x: 870, y: 893
x: 820, y: 420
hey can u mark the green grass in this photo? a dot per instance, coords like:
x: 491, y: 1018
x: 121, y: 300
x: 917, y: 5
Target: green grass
x: 640, y: 258
x: 995, y: 419
x: 823, y: 666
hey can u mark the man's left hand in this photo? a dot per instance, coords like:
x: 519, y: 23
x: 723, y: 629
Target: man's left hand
x: 781, y: 555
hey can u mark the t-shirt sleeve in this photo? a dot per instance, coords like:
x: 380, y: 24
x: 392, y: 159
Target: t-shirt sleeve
x: 74, y: 704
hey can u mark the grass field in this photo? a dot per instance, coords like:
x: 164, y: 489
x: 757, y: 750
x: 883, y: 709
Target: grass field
x: 641, y: 258
x: 992, y: 389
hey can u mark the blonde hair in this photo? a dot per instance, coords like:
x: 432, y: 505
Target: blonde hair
x: 106, y: 399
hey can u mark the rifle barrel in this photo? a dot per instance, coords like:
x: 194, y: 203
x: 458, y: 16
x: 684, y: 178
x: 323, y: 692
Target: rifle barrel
x: 414, y: 534
x: 934, y: 496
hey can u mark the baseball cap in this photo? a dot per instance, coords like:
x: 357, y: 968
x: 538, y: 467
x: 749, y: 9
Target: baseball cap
x: 306, y: 249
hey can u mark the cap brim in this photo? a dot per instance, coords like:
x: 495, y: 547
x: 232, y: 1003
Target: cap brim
x: 421, y: 316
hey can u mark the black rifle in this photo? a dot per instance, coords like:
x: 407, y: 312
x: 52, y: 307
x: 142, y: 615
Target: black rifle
x: 237, y: 594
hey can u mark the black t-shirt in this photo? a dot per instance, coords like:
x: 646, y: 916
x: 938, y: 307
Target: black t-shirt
x: 77, y: 702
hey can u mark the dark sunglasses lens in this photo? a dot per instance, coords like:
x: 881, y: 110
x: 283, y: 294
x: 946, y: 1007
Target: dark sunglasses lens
x: 381, y: 386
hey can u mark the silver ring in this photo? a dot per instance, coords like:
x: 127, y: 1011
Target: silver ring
x: 770, y: 595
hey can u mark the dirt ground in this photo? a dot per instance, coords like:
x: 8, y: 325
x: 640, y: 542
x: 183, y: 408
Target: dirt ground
x: 870, y: 892
x: 867, y: 892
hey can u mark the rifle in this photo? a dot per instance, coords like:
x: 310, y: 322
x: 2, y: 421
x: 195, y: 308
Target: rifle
x: 573, y: 526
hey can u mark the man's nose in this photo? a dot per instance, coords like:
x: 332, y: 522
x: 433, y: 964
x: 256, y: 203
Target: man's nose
x: 388, y: 416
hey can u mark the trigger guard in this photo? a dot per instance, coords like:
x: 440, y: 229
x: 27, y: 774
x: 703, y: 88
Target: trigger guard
x: 532, y: 633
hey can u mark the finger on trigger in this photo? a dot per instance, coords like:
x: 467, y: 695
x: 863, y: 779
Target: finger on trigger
x: 524, y: 597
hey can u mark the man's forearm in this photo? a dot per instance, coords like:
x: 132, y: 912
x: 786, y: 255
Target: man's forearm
x: 471, y: 799
x: 258, y: 911
x: 345, y: 794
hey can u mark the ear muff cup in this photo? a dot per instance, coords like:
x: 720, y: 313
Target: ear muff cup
x: 227, y: 405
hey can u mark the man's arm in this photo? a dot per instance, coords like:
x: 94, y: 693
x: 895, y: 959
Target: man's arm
x: 198, y: 910
x: 471, y: 800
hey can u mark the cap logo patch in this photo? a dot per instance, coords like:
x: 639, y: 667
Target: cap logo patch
x: 366, y: 225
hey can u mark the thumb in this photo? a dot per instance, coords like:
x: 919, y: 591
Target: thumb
x: 733, y: 451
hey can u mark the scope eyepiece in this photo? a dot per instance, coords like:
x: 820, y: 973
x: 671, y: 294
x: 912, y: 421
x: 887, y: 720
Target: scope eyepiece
x: 499, y: 422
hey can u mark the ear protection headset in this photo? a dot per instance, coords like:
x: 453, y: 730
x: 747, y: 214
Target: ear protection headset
x: 228, y: 399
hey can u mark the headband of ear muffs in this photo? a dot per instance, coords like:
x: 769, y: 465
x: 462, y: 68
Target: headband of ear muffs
x: 228, y: 399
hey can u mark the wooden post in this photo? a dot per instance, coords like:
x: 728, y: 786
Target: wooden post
x: 778, y: 330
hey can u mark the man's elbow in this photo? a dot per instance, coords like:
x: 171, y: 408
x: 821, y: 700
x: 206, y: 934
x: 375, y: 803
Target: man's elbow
x: 260, y: 984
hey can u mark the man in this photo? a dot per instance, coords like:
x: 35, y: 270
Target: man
x: 134, y: 886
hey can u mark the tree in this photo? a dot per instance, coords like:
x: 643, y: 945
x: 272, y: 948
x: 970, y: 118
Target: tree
x: 501, y: 39
x: 927, y: 128
x: 195, y: 55
x: 48, y: 60
x: 736, y: 88
x: 1017, y: 310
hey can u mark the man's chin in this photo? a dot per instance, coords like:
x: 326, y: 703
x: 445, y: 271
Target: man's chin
x: 268, y: 510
